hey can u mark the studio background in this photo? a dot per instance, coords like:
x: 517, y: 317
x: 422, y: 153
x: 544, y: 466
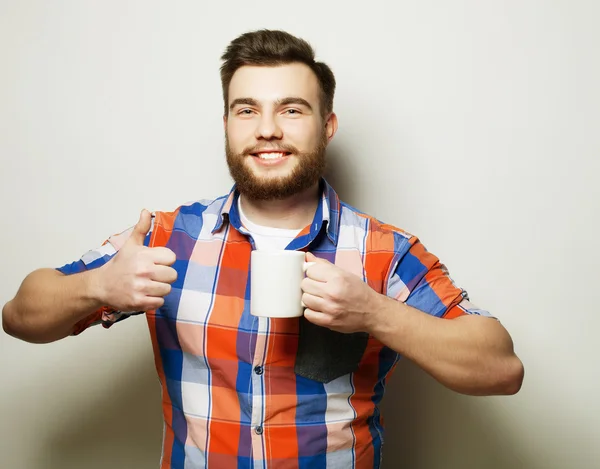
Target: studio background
x: 471, y: 124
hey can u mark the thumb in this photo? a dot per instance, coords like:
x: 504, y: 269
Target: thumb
x: 141, y: 228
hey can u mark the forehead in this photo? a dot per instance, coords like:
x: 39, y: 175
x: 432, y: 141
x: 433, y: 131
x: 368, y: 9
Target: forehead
x: 266, y: 84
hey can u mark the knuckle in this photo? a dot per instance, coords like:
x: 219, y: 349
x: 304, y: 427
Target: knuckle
x: 137, y: 266
x: 138, y: 285
x: 134, y: 251
x: 334, y: 309
x: 337, y: 289
x: 143, y: 269
x: 340, y: 278
x: 139, y: 300
x: 332, y: 293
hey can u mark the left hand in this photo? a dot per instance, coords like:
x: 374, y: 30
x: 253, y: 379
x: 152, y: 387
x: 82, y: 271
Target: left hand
x: 337, y: 299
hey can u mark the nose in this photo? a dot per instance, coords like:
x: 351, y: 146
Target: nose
x: 268, y: 128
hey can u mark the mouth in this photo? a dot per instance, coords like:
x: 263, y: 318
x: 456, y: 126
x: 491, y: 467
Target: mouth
x: 271, y: 155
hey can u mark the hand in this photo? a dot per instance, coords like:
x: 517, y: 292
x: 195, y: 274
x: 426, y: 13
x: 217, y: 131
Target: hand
x: 137, y: 277
x: 337, y: 299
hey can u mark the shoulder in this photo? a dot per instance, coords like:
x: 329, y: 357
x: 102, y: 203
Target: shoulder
x: 190, y: 216
x: 385, y: 235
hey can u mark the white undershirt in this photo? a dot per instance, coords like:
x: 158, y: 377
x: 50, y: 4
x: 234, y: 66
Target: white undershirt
x: 265, y: 237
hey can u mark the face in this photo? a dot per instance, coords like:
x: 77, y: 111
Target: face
x: 275, y: 134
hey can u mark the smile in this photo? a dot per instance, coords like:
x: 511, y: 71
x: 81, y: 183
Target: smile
x: 271, y: 155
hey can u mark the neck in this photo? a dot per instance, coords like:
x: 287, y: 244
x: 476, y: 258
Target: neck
x: 293, y: 213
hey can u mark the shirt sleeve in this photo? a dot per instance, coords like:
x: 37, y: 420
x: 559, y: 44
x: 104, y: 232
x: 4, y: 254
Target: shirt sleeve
x: 420, y: 280
x: 93, y: 259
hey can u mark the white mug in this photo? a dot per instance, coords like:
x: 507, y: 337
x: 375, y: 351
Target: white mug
x: 275, y: 283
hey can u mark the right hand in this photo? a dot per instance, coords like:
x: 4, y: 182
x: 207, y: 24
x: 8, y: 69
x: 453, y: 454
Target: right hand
x: 137, y: 278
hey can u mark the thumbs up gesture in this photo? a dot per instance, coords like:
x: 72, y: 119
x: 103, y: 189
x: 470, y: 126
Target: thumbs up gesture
x: 137, y: 278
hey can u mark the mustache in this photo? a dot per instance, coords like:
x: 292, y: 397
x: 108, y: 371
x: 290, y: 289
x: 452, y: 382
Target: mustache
x: 276, y: 148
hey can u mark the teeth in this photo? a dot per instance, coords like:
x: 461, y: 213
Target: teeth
x: 270, y: 156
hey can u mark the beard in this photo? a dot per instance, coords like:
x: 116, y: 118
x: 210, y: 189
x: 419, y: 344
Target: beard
x: 307, y: 172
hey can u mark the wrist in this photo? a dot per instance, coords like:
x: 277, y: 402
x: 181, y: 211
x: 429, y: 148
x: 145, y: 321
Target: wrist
x: 93, y: 287
x: 378, y: 314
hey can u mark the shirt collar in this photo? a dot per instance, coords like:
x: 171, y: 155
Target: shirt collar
x: 328, y: 212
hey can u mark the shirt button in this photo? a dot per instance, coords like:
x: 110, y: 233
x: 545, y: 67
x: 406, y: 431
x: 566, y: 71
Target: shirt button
x: 258, y: 430
x: 258, y: 370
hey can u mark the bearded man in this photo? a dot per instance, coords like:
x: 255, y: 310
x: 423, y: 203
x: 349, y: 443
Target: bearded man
x: 240, y: 391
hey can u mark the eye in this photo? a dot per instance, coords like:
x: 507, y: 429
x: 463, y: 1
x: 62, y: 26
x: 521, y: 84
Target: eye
x: 292, y: 112
x: 245, y: 112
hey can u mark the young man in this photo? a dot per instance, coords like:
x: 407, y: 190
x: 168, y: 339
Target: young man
x: 248, y: 392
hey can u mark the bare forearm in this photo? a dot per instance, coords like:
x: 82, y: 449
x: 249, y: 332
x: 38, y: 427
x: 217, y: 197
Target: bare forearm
x: 48, y: 305
x: 470, y: 354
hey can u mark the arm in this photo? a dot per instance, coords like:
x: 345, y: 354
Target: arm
x: 51, y: 305
x: 469, y: 354
x: 465, y: 352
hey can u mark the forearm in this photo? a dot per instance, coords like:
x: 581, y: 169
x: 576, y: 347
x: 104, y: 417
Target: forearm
x: 470, y: 354
x: 49, y: 304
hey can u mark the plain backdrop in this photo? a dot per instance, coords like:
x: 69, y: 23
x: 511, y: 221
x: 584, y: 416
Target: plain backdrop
x: 472, y: 124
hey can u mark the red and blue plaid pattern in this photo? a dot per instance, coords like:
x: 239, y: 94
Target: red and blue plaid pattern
x: 230, y: 396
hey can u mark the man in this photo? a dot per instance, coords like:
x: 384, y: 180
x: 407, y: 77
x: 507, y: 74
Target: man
x: 248, y: 392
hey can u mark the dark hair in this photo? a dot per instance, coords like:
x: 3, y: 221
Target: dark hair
x: 272, y: 48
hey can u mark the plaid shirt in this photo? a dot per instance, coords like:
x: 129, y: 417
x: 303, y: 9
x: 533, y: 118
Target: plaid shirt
x: 230, y: 396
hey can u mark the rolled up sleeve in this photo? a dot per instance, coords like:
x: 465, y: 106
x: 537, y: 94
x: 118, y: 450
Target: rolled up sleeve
x: 94, y: 259
x: 420, y: 280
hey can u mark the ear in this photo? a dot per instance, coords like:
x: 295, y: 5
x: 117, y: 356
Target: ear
x: 331, y: 126
x: 225, y: 122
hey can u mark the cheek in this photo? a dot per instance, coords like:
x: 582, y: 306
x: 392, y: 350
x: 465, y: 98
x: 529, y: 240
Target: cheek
x: 239, y: 135
x: 301, y: 134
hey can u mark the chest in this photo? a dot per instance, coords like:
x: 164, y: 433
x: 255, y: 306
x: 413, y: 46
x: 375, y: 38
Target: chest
x: 207, y: 313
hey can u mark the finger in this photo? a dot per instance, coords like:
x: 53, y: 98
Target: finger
x: 140, y: 230
x: 313, y: 302
x: 310, y: 257
x: 314, y: 287
x: 153, y: 302
x: 164, y: 274
x: 317, y: 317
x: 157, y: 289
x: 320, y: 272
x: 162, y: 256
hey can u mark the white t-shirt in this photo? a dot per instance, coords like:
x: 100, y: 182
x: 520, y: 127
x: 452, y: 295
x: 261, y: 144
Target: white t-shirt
x: 266, y: 237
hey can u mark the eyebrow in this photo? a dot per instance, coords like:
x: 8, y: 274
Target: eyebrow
x: 279, y: 102
x: 246, y: 101
x: 293, y: 100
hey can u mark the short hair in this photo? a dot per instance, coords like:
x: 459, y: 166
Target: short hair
x: 273, y: 48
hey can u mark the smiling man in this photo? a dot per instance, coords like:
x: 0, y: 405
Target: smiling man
x: 247, y: 392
